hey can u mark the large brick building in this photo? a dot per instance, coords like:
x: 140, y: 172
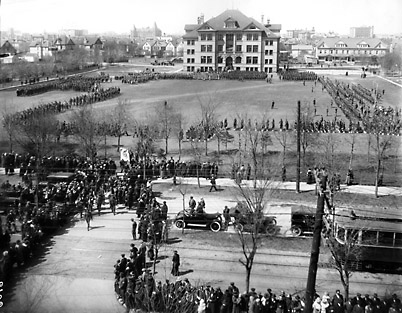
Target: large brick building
x: 230, y: 41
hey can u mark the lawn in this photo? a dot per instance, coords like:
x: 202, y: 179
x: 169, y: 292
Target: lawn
x: 248, y: 99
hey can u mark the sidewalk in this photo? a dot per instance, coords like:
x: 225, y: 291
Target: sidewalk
x: 304, y: 187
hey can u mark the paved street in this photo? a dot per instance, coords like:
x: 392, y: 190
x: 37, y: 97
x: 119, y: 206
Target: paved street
x: 75, y: 271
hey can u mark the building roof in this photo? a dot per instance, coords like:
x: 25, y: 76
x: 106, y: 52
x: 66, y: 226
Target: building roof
x: 217, y: 23
x: 7, y: 47
x: 351, y: 42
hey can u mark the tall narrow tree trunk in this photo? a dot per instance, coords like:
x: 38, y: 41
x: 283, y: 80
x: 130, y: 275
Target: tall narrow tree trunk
x: 118, y: 142
x: 352, y: 149
x: 377, y: 176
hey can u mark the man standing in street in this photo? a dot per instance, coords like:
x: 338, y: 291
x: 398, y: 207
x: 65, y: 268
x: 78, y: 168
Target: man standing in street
x: 175, y: 263
x: 134, y: 229
x: 192, y: 204
x: 213, y: 183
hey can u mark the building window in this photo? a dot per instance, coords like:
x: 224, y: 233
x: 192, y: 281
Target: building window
x: 271, y: 52
x: 220, y: 60
x: 193, y: 61
x: 248, y: 60
x: 209, y: 48
x: 249, y: 36
x: 188, y: 69
x: 188, y: 60
x: 270, y: 70
x: 192, y: 51
x: 255, y: 48
x: 203, y: 36
x: 203, y: 59
x: 266, y: 61
x: 220, y: 36
x: 220, y: 48
x: 248, y: 48
x: 255, y: 36
x: 203, y: 48
x: 188, y: 42
x: 239, y: 36
x: 209, y: 59
x: 238, y: 48
x: 229, y: 37
x: 209, y: 36
x: 271, y: 42
x: 271, y: 61
x: 238, y: 60
x: 255, y: 60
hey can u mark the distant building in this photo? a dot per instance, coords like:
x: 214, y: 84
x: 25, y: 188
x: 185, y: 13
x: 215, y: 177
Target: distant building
x: 350, y: 49
x: 7, y: 49
x: 362, y: 32
x: 302, y: 34
x: 230, y: 41
x: 145, y: 33
x: 73, y: 32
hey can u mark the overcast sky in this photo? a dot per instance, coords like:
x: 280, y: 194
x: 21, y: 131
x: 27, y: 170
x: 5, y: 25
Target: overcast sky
x: 37, y: 16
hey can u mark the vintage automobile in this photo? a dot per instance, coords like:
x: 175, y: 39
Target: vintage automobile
x: 184, y: 219
x: 243, y: 220
x: 303, y: 219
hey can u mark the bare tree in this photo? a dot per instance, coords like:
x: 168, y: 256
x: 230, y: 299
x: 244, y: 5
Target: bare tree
x: 9, y: 126
x: 169, y: 121
x: 145, y: 144
x: 284, y: 140
x: 209, y: 118
x: 86, y: 130
x: 346, y: 256
x: 382, y: 128
x: 120, y: 119
x: 308, y: 135
x: 257, y: 226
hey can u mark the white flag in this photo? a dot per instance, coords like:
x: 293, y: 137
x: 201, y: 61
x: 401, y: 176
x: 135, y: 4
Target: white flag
x: 124, y: 155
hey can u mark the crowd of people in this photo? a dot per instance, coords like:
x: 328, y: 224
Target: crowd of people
x: 297, y: 75
x: 56, y: 107
x: 139, y: 290
x: 76, y: 83
x: 361, y: 107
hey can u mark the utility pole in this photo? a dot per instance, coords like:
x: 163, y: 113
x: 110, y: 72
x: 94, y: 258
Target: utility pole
x: 321, y: 181
x: 298, y: 146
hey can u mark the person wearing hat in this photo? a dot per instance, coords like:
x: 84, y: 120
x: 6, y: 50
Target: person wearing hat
x: 213, y: 183
x: 338, y: 302
x: 175, y: 263
x: 297, y: 305
x: 134, y: 229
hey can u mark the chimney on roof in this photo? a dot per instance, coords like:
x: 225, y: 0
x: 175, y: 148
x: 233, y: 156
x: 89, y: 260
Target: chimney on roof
x: 268, y: 22
x: 200, y: 19
x: 262, y: 19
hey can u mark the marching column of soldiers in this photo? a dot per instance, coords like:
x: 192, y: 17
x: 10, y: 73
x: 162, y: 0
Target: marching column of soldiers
x: 360, y: 106
x: 76, y: 83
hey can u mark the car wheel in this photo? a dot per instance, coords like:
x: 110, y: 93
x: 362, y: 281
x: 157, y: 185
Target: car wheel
x: 296, y: 231
x: 272, y: 221
x: 270, y: 230
x: 180, y: 224
x: 215, y: 226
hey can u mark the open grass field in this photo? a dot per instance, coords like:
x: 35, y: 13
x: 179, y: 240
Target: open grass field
x: 249, y: 99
